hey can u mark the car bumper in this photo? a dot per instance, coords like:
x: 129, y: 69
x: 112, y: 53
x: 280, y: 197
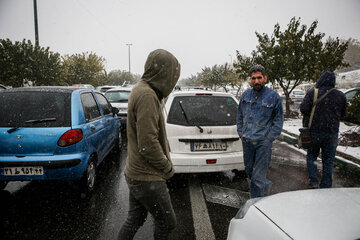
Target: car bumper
x: 56, y: 167
x: 197, y: 163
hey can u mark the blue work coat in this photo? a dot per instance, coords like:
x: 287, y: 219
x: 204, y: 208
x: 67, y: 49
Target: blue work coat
x: 260, y: 115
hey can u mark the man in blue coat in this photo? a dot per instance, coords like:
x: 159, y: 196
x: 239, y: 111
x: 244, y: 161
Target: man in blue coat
x: 324, y: 128
x: 260, y: 119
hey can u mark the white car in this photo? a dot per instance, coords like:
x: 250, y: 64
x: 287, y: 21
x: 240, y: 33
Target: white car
x: 118, y: 97
x: 201, y: 130
x: 297, y: 95
x: 321, y: 214
x: 104, y: 88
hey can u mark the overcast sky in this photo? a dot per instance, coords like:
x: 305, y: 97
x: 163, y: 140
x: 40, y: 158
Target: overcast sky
x: 198, y: 32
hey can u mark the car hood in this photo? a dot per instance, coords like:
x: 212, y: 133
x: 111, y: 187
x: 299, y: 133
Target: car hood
x: 120, y: 104
x: 315, y: 214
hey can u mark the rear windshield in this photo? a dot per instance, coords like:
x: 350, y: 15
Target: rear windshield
x: 117, y: 96
x: 203, y: 111
x: 35, y: 109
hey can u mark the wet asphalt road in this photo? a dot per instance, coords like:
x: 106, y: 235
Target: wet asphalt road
x: 204, y: 203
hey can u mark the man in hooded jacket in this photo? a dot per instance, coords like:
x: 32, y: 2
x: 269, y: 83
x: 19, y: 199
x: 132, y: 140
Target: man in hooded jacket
x: 324, y: 128
x: 148, y: 162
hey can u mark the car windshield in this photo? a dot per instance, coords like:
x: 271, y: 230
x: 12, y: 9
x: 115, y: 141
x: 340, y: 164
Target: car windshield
x: 203, y: 111
x: 117, y: 96
x: 35, y: 109
x: 351, y: 94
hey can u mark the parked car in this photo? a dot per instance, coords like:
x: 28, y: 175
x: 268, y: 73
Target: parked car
x: 351, y: 93
x: 89, y: 86
x: 103, y: 89
x: 55, y: 133
x: 201, y: 130
x: 322, y: 214
x: 297, y: 95
x: 118, y: 97
x: 2, y: 87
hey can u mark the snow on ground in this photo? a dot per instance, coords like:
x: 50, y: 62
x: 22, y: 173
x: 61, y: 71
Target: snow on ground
x: 293, y: 125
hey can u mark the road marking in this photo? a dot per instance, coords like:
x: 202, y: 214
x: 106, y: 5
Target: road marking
x: 202, y: 224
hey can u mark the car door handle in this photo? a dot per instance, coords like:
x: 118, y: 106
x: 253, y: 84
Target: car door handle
x: 92, y: 128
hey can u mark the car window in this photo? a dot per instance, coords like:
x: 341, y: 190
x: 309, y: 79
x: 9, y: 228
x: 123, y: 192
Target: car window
x: 117, y: 96
x: 351, y: 94
x: 299, y: 93
x: 90, y: 107
x: 19, y: 107
x: 105, y: 105
x: 203, y: 110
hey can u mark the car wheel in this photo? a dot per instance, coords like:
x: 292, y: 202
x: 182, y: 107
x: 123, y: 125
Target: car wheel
x: 241, y: 174
x: 3, y: 185
x: 87, y: 182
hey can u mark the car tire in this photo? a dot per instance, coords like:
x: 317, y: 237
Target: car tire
x: 240, y: 174
x: 3, y: 185
x: 87, y: 182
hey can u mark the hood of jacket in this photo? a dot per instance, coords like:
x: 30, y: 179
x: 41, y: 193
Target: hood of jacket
x: 327, y: 79
x: 162, y: 71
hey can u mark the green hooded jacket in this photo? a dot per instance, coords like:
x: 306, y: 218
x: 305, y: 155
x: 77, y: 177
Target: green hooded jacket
x: 148, y: 156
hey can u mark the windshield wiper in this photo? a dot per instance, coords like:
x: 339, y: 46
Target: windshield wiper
x: 12, y: 129
x: 32, y: 121
x: 41, y: 120
x: 186, y: 118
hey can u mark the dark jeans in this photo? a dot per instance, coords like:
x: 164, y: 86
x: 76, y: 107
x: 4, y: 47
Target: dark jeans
x: 327, y: 142
x: 257, y: 156
x: 147, y: 197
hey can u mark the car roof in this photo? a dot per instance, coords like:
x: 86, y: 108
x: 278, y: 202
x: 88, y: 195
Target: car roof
x: 350, y: 89
x: 45, y: 89
x: 119, y: 88
x: 198, y: 91
x: 325, y: 213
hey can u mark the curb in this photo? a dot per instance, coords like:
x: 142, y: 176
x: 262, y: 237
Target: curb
x: 342, y: 160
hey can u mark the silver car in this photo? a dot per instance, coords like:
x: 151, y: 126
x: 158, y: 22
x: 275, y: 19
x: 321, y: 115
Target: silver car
x: 326, y: 214
x: 118, y: 97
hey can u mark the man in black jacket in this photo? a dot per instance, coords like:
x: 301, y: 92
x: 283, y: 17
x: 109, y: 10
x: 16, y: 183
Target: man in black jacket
x: 324, y: 128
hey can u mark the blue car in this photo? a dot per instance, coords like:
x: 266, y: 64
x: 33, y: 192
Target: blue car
x: 55, y: 133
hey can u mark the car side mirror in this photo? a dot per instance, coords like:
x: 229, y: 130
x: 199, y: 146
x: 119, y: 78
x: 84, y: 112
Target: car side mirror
x: 115, y: 110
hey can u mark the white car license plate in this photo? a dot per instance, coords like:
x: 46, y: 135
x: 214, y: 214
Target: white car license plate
x: 18, y: 171
x: 208, y: 146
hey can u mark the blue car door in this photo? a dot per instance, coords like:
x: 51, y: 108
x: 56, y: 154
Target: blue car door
x: 112, y: 123
x: 94, y: 129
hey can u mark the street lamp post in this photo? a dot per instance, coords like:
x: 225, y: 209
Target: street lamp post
x: 129, y: 45
x: 36, y: 24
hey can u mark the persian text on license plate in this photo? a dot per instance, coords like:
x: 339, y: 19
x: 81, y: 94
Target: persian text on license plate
x: 18, y: 171
x: 208, y: 146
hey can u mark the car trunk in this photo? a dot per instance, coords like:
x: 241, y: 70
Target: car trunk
x: 32, y: 118
x: 30, y: 141
x: 213, y: 139
x: 203, y: 123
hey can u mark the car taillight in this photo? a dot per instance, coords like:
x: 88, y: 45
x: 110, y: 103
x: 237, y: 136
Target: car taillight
x: 210, y: 161
x: 70, y: 137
